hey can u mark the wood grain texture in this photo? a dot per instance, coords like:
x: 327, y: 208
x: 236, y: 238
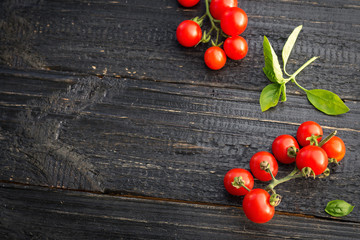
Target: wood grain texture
x: 138, y: 40
x: 31, y: 212
x: 161, y: 140
x: 98, y: 96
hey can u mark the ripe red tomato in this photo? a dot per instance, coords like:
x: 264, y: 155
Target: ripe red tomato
x: 233, y: 21
x: 246, y: 177
x: 218, y: 7
x: 306, y: 129
x: 280, y: 148
x: 236, y: 47
x: 335, y: 148
x: 188, y: 33
x: 255, y: 162
x: 215, y: 58
x: 256, y: 205
x: 314, y: 157
x: 188, y: 3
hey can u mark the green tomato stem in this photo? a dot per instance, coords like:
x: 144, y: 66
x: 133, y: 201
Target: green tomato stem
x: 272, y: 175
x: 295, y: 171
x: 314, y: 139
x: 246, y: 188
x: 325, y: 174
x: 210, y: 16
x: 217, y: 38
x: 275, y: 199
x: 308, y: 172
x: 207, y: 35
x: 333, y: 160
x: 224, y: 35
x: 325, y: 140
x: 292, y: 151
x: 238, y: 183
x: 294, y: 174
x: 203, y: 16
x: 213, y: 25
x: 265, y: 165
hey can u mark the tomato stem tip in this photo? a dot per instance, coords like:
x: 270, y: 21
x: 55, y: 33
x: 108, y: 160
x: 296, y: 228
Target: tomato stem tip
x: 292, y: 151
x: 325, y: 174
x: 314, y: 139
x: 275, y: 199
x: 308, y: 172
x: 239, y: 182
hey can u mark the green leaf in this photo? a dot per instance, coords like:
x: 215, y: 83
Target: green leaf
x: 290, y: 42
x: 326, y: 101
x: 269, y: 96
x: 272, y: 67
x: 338, y: 208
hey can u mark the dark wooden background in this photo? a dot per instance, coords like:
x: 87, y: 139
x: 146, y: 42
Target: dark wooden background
x: 110, y: 129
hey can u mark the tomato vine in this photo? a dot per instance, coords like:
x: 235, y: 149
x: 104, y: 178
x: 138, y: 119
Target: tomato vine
x: 229, y: 23
x: 310, y: 161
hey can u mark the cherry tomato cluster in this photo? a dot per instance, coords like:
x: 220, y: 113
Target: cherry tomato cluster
x: 233, y: 21
x: 311, y: 157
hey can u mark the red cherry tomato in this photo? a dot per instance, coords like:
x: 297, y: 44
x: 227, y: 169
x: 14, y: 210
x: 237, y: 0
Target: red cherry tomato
x: 188, y: 3
x: 233, y: 21
x: 314, y: 157
x: 218, y: 7
x: 255, y: 162
x: 280, y: 147
x: 246, y: 177
x: 236, y: 47
x: 188, y: 33
x: 306, y: 129
x: 215, y: 58
x: 335, y: 148
x: 256, y: 205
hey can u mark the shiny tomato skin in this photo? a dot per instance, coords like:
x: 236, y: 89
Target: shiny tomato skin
x: 335, y: 148
x: 306, y: 129
x: 236, y: 47
x: 314, y: 157
x: 256, y: 205
x: 215, y: 58
x: 233, y: 21
x: 255, y: 162
x: 280, y: 146
x: 188, y: 3
x: 246, y: 177
x: 218, y: 7
x: 188, y: 33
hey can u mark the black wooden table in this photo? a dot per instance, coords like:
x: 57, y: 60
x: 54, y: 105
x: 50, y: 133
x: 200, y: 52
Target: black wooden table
x: 110, y: 129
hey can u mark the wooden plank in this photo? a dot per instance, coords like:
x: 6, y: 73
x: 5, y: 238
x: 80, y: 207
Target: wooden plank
x: 138, y: 40
x: 33, y: 212
x: 161, y: 140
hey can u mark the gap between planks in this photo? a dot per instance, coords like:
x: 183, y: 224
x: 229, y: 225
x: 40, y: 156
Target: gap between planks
x: 49, y: 75
x: 168, y: 200
x: 221, y: 115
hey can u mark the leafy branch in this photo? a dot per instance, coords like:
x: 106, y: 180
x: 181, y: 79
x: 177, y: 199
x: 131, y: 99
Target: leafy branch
x: 324, y: 100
